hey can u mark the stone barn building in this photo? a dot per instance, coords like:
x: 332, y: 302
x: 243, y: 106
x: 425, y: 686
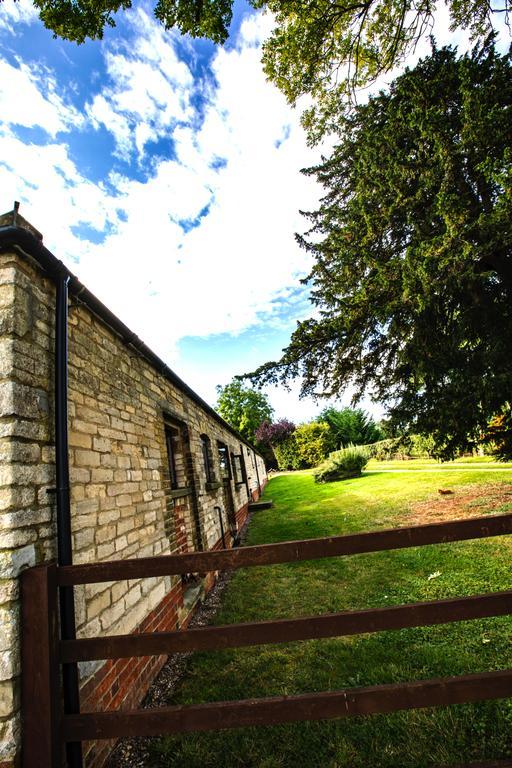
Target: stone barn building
x: 153, y: 470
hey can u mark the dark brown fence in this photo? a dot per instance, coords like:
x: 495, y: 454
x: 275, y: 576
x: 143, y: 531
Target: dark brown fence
x: 46, y: 728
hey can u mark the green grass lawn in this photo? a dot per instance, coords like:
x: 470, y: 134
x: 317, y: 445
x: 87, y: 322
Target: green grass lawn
x: 466, y: 462
x: 444, y: 736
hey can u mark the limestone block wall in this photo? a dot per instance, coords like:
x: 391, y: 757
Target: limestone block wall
x: 127, y: 499
x: 27, y: 534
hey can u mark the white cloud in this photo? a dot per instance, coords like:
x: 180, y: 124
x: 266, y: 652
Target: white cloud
x: 230, y: 270
x: 14, y: 13
x: 28, y: 97
x: 55, y: 197
x: 149, y: 91
x: 166, y: 272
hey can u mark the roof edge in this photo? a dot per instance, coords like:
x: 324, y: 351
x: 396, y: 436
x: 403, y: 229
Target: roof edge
x: 25, y: 241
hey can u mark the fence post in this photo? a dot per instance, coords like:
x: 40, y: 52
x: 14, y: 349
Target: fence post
x: 40, y: 687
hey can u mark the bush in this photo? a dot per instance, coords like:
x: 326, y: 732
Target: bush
x: 342, y: 465
x: 350, y: 426
x: 499, y: 434
x: 306, y: 447
x: 403, y: 447
x: 385, y: 450
x: 286, y: 454
x: 313, y: 443
x: 274, y: 433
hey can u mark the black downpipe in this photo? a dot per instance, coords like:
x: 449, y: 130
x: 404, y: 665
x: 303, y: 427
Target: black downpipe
x: 64, y: 543
x: 219, y: 510
x: 257, y: 473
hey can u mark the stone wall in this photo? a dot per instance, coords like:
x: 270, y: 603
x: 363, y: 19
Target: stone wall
x: 128, y: 498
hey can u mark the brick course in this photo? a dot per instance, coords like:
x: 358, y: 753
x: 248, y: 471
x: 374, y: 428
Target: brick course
x: 122, y: 503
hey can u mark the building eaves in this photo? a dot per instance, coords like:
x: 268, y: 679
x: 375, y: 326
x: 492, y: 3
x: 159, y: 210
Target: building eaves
x: 29, y: 244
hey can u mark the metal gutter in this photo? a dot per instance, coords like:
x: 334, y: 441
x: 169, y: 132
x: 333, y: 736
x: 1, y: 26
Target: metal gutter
x: 28, y: 244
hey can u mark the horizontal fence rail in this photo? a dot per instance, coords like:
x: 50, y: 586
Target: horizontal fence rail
x: 44, y: 657
x: 287, y: 552
x: 287, y: 630
x: 380, y: 699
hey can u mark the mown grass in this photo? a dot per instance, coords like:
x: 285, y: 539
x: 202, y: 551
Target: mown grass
x: 466, y: 462
x: 444, y: 736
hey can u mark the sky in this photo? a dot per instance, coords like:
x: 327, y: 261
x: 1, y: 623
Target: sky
x: 165, y: 172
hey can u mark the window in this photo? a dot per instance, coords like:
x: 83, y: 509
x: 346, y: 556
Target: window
x: 207, y: 459
x: 225, y: 471
x: 175, y: 456
x: 171, y: 441
x: 237, y: 469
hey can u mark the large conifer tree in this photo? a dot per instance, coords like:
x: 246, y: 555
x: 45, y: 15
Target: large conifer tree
x: 412, y: 248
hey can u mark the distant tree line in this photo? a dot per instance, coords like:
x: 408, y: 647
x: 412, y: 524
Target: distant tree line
x: 307, y: 445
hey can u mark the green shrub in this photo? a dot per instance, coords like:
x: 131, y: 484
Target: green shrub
x: 403, y: 447
x: 385, y: 450
x: 342, y: 465
x: 286, y: 454
x: 306, y: 447
x: 313, y: 443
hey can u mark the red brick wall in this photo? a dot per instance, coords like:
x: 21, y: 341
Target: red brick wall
x: 123, y: 683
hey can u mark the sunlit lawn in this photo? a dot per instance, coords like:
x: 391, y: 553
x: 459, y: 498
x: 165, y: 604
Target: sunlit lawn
x: 467, y: 462
x: 445, y: 736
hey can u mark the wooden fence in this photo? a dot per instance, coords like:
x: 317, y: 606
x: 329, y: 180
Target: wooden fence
x: 46, y: 728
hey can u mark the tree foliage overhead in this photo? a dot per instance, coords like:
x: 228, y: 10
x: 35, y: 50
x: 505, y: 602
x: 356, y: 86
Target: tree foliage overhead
x: 244, y: 408
x: 329, y: 49
x: 324, y: 48
x: 412, y: 248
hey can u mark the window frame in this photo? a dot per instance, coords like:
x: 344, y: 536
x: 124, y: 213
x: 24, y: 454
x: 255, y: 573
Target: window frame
x: 223, y: 451
x: 172, y: 435
x: 238, y: 470
x: 209, y: 469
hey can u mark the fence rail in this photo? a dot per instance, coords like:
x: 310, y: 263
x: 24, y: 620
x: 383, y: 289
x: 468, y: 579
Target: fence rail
x: 47, y: 728
x: 373, y: 700
x: 284, y: 630
x: 287, y: 551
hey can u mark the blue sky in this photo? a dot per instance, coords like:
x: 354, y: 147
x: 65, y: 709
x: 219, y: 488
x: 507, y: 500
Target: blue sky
x: 166, y: 173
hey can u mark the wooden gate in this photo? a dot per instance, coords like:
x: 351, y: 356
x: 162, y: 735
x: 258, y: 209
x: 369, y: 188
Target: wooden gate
x: 46, y: 728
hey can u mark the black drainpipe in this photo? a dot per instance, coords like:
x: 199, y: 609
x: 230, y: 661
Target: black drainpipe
x: 257, y: 473
x: 219, y: 511
x: 64, y: 542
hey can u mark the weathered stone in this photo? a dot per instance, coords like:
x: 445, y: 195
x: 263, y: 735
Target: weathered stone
x: 15, y: 497
x: 80, y: 440
x: 102, y: 444
x: 118, y: 464
x: 18, y: 537
x: 9, y: 700
x: 9, y: 590
x: 102, y: 475
x: 98, y: 604
x: 11, y: 563
x: 9, y: 663
x: 19, y: 400
x: 87, y: 458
